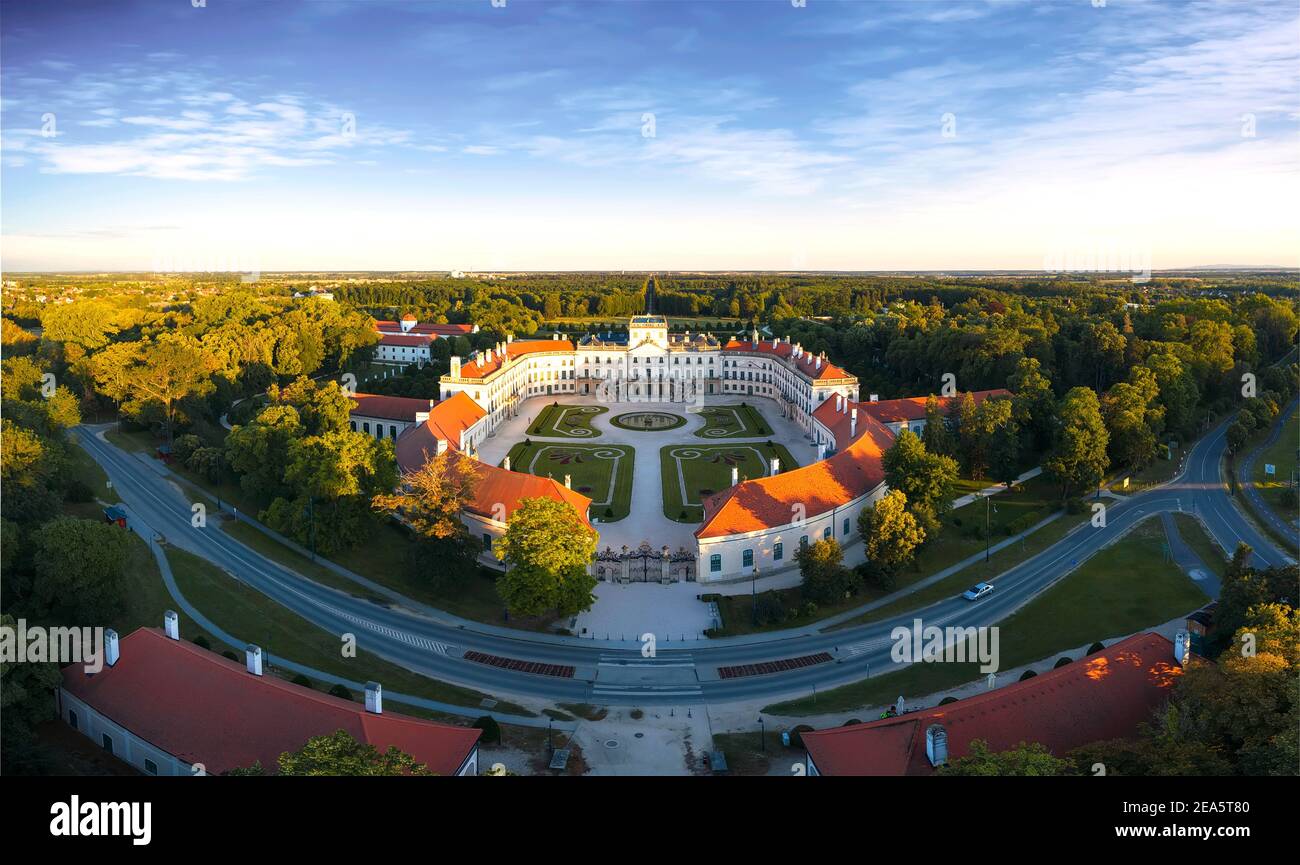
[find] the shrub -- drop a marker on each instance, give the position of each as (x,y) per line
(202,642)
(1060,663)
(1095,648)
(1027,674)
(609,512)
(300,679)
(491,729)
(186,445)
(229,654)
(340,691)
(946,700)
(77,491)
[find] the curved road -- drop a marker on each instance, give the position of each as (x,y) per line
(1248,488)
(616,673)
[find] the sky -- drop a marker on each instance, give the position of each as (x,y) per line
(663,135)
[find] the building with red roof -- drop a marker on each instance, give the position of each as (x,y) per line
(1106,695)
(169,707)
(909,412)
(387,416)
(457,425)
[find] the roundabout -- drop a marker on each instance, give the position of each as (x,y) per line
(648,421)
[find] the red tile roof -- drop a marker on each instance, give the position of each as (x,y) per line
(496,486)
(913,408)
(410,339)
(482,368)
(203,708)
(389,407)
(806,364)
(838,422)
(769,502)
(1101,696)
(500,491)
(446,421)
(425,328)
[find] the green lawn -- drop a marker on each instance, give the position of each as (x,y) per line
(706,469)
(1282,454)
(603,473)
(85,469)
(732,422)
(566,421)
(1157,472)
(1121,590)
(249,615)
(1193,533)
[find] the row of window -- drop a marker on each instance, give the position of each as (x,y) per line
(778,550)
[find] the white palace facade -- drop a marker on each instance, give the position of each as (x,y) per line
(754,524)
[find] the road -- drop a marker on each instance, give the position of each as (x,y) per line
(435,644)
(1247,485)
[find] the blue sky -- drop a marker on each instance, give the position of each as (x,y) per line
(676,134)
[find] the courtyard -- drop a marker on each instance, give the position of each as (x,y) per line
(640,507)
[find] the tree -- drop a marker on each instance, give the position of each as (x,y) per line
(547,548)
(927,479)
(340,754)
(1024,759)
(891,533)
(1078,458)
(825,579)
(431,498)
(430,501)
(1033,407)
(80,567)
(936,435)
(1133,418)
(158,374)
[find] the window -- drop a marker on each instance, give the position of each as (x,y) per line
(487,541)
(778,551)
(366,426)
(107,741)
(747,558)
(150,766)
(715,563)
(826,533)
(803,542)
(72,719)
(845,533)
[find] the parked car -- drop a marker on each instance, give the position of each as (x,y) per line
(977,591)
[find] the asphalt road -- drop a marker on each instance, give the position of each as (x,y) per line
(1248,488)
(611,673)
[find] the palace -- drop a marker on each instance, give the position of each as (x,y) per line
(751,525)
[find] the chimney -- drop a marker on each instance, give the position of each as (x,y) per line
(112,651)
(568,482)
(853,423)
(735,475)
(775,343)
(510,337)
(172,624)
(375,698)
(753,337)
(442,446)
(875,397)
(936,744)
(819,363)
(776,465)
(253,659)
(1182,647)
(506,465)
(455,368)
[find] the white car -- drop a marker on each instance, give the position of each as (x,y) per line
(977,591)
